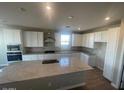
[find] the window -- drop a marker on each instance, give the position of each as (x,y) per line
(65,39)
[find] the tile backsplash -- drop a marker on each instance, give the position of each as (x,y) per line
(39,49)
(42,49)
(83,49)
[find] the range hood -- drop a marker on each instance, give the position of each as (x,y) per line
(49,39)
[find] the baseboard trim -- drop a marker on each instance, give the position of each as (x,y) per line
(73,86)
(115,86)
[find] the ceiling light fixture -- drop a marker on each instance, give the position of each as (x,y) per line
(107,18)
(79,28)
(70,17)
(67,26)
(48,7)
(22,9)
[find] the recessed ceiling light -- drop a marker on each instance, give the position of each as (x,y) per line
(48,7)
(79,28)
(107,18)
(70,17)
(67,26)
(22,9)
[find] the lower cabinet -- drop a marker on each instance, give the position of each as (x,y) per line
(32,57)
(84,58)
(88,59)
(29,57)
(40,57)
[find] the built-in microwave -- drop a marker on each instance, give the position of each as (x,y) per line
(14,47)
(14,53)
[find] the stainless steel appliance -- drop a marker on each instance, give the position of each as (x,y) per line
(14,56)
(14,53)
(13,48)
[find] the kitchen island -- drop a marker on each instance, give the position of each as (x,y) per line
(69,72)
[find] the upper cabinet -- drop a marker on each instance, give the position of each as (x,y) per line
(76,39)
(101,36)
(40,39)
(12,36)
(97,37)
(88,40)
(91,40)
(32,39)
(85,40)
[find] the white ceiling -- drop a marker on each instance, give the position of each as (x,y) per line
(85,15)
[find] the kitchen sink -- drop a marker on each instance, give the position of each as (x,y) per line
(50,61)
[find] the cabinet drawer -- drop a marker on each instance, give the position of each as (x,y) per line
(29,57)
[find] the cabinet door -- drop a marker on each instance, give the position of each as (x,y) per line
(111,50)
(29,57)
(76,40)
(104,36)
(30,39)
(97,37)
(40,39)
(84,58)
(12,36)
(90,40)
(8,35)
(40,57)
(17,36)
(84,40)
(87,40)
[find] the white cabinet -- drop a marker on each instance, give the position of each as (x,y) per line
(29,57)
(40,57)
(101,36)
(12,36)
(33,39)
(105,36)
(88,59)
(83,40)
(40,39)
(88,40)
(97,37)
(111,50)
(30,39)
(91,40)
(76,40)
(84,58)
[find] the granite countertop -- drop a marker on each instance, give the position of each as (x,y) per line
(58,52)
(35,69)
